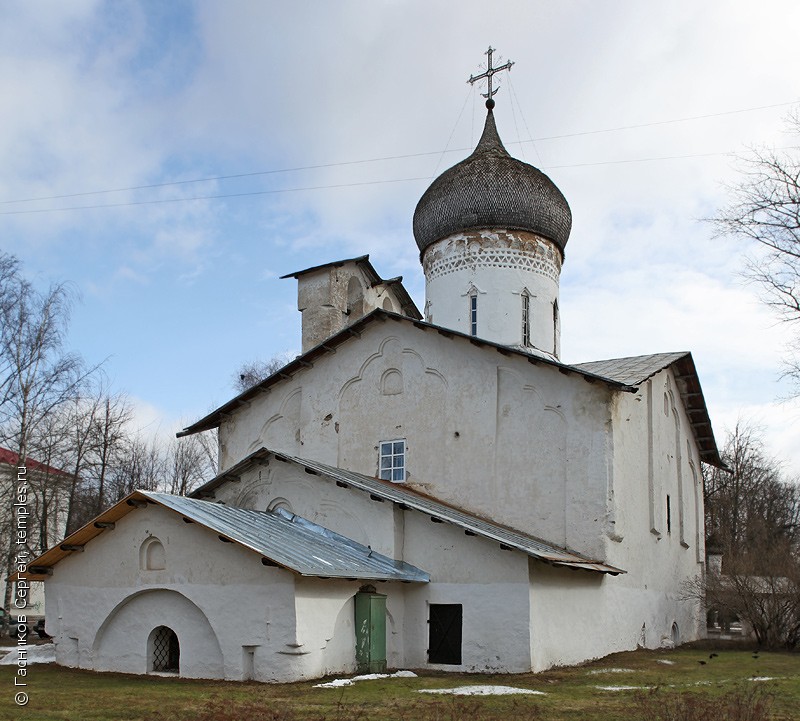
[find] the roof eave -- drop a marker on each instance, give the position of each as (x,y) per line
(213,419)
(580,562)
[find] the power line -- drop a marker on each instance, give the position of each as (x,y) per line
(368,182)
(375,160)
(668,122)
(206,197)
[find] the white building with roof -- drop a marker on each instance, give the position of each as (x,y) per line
(438,493)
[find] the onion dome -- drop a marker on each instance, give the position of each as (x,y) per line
(490,189)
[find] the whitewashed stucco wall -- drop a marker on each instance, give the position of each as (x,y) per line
(221,601)
(490,583)
(653,454)
(521,443)
(497,266)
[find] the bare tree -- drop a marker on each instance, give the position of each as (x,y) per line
(187,465)
(252,373)
(751,507)
(36,373)
(141,466)
(80,419)
(110,437)
(753,519)
(765,208)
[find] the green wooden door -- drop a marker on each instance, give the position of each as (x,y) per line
(370,610)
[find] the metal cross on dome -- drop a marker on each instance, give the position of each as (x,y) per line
(488,75)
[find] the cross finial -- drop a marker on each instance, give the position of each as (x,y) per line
(488,75)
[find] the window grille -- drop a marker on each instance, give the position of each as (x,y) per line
(393,460)
(166,650)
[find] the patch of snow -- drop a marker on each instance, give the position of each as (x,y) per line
(483,691)
(339,682)
(666,662)
(763,678)
(44,653)
(623,688)
(612,670)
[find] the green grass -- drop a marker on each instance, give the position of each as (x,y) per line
(59,694)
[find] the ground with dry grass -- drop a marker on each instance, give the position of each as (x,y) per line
(688,684)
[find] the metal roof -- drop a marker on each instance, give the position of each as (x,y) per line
(407,498)
(491,189)
(635,370)
(282,538)
(11,458)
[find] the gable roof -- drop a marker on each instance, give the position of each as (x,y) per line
(406,302)
(635,370)
(282,539)
(621,374)
(408,499)
(306,360)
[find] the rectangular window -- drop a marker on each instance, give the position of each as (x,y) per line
(473,315)
(444,633)
(393,460)
(526,319)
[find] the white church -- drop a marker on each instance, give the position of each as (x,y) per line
(430,490)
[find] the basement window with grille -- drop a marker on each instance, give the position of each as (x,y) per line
(392,462)
(165,651)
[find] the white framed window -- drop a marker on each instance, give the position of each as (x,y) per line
(526,318)
(473,313)
(392,462)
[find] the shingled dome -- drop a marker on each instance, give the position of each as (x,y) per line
(490,189)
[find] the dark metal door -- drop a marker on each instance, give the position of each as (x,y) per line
(444,633)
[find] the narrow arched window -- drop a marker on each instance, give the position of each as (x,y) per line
(526,318)
(556,331)
(473,313)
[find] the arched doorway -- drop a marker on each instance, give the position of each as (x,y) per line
(163,651)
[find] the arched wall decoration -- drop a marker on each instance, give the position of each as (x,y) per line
(141,612)
(391,382)
(288,413)
(152,556)
(280,502)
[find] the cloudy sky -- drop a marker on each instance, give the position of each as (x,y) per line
(171,160)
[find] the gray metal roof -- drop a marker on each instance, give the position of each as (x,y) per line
(490,189)
(406,498)
(292,541)
(282,538)
(633,370)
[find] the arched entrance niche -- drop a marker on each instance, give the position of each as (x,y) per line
(125,641)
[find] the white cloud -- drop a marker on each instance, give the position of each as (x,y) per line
(126,94)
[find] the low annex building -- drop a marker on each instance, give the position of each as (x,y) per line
(427,490)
